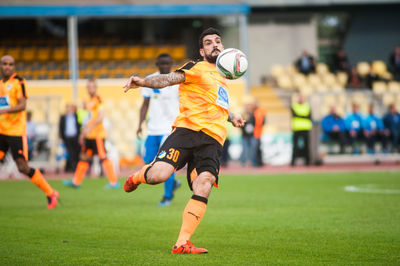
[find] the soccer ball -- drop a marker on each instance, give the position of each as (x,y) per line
(231,63)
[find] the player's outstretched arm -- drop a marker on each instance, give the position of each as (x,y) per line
(236,120)
(155,82)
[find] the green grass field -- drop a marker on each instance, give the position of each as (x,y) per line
(304,219)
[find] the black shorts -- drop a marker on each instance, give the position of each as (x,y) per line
(17,144)
(93,147)
(200,151)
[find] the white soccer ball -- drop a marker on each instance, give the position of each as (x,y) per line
(231,63)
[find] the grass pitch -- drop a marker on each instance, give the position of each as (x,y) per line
(304,219)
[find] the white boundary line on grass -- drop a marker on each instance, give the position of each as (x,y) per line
(371,188)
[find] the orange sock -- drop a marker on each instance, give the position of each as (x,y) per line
(138,177)
(194,211)
(80,172)
(39,181)
(110,172)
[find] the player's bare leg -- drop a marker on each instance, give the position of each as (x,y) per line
(193,213)
(37,178)
(149,174)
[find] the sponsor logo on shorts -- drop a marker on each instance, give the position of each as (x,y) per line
(162,154)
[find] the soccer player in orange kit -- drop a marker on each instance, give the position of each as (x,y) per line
(92,141)
(199,132)
(13,97)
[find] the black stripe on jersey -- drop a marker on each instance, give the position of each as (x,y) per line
(22,82)
(188,65)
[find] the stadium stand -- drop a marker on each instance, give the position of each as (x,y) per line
(99,58)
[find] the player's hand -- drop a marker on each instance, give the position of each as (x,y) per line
(237,120)
(133,83)
(139,133)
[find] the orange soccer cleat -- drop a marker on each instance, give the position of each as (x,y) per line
(188,248)
(129,186)
(53,200)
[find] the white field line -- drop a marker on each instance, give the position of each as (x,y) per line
(371,188)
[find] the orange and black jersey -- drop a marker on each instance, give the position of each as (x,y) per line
(12,124)
(95,106)
(203,100)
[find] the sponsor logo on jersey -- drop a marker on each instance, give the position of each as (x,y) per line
(162,154)
(223,98)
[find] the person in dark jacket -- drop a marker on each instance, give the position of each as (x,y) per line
(69,130)
(333,127)
(306,63)
(392,124)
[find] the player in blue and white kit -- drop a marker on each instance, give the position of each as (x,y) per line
(161,108)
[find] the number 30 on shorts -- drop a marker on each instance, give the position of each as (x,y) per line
(173,155)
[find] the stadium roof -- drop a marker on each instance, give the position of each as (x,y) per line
(304,3)
(118,10)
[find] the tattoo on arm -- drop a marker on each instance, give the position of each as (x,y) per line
(164,80)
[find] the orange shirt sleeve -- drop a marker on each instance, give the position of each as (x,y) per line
(20,89)
(191,76)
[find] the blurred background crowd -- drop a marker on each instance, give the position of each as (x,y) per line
(323,79)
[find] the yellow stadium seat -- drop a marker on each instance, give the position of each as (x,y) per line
(329,79)
(388,99)
(149,52)
(337,88)
(291,69)
(322,68)
(379,87)
(378,68)
(118,52)
(284,82)
(60,53)
(306,90)
(43,54)
(133,52)
(178,52)
(14,52)
(387,75)
(277,70)
(394,86)
(314,80)
(164,49)
(28,54)
(342,78)
(104,53)
(299,80)
(88,53)
(363,68)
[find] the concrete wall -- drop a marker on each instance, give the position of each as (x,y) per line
(278,40)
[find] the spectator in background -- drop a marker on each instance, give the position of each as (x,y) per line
(355,81)
(391,122)
(259,120)
(69,130)
(374,131)
(341,62)
(249,143)
(301,127)
(306,63)
(394,63)
(334,128)
(354,123)
(30,134)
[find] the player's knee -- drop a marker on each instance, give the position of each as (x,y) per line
(158,173)
(22,166)
(85,157)
(206,179)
